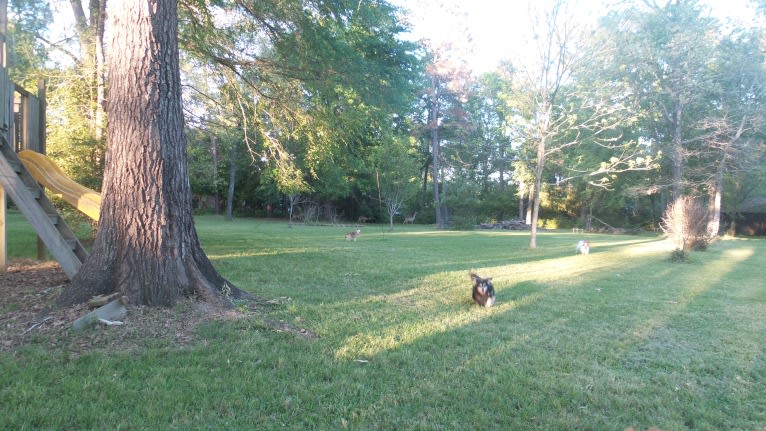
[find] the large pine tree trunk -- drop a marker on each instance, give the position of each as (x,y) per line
(147,246)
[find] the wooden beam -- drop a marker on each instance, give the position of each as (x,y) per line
(3,125)
(42,116)
(3,32)
(3,242)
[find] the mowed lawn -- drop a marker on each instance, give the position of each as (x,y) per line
(620,338)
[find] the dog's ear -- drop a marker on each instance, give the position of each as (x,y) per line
(488,279)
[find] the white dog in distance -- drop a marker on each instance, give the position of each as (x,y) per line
(583,247)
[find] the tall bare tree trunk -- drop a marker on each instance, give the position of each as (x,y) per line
(536,192)
(81,24)
(214,157)
(435,147)
(678,145)
(90,31)
(232,181)
(716,191)
(147,246)
(530,204)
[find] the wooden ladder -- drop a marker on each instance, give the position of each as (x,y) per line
(29,197)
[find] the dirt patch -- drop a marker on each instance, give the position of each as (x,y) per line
(28,290)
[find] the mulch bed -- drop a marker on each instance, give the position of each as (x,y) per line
(28,291)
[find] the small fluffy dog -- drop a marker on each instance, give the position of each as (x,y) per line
(583,247)
(353,235)
(483,291)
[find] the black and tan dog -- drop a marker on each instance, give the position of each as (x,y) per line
(483,291)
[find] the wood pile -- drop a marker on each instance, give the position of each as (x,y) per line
(505,224)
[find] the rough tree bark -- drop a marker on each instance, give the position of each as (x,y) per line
(147,246)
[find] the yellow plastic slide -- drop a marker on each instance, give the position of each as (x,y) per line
(51,176)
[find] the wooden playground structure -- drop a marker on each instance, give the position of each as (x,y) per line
(22,130)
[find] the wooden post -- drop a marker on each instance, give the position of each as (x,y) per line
(42,106)
(36,134)
(3,127)
(3,31)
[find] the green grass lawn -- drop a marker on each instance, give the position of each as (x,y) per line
(619,338)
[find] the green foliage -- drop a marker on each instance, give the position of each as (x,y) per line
(312,93)
(573,341)
(670,65)
(205,174)
(27,20)
(395,176)
(72,145)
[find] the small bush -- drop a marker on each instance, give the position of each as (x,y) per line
(702,244)
(686,220)
(550,223)
(463,222)
(679,256)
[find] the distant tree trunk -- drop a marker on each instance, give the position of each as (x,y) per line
(444,210)
(293,200)
(678,145)
(424,192)
(535,203)
(434,125)
(530,201)
(81,24)
(714,225)
(93,61)
(214,158)
(232,182)
(501,172)
(435,175)
(147,246)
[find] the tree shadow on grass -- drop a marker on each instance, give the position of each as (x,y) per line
(666,353)
(362,268)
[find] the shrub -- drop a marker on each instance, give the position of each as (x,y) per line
(686,220)
(679,256)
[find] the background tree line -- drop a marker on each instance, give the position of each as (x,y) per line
(320,110)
